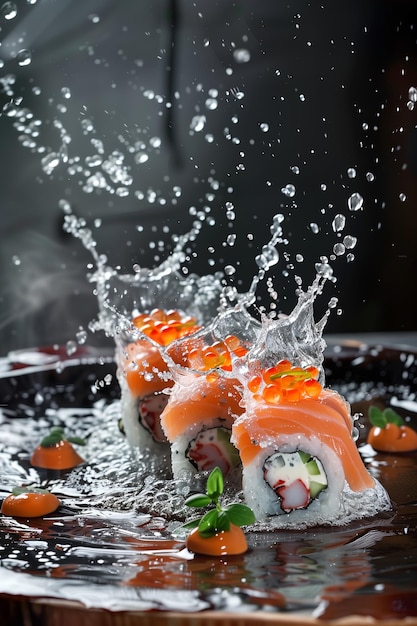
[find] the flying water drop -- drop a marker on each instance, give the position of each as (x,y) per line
(355,202)
(24,57)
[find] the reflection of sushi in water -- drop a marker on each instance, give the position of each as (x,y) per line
(299,458)
(144,376)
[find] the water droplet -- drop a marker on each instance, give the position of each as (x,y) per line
(94,18)
(295,169)
(197,123)
(241,55)
(81,336)
(350,241)
(314,227)
(155,142)
(50,162)
(24,57)
(268,257)
(8,10)
(288,190)
(324,268)
(412,94)
(351,172)
(71,347)
(141,157)
(403,197)
(264,127)
(231,239)
(339,249)
(229,270)
(94,160)
(339,222)
(16,260)
(355,202)
(370,177)
(66,92)
(211,104)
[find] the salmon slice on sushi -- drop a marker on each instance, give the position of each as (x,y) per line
(197,422)
(144,375)
(301,465)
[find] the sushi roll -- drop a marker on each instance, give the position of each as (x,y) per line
(206,397)
(301,465)
(197,422)
(144,375)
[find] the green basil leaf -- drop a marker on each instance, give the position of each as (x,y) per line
(215,484)
(17,491)
(51,440)
(198,499)
(77,440)
(223,521)
(57,429)
(392,417)
(240,514)
(377,417)
(208,524)
(190,525)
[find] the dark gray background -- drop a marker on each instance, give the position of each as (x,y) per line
(352,63)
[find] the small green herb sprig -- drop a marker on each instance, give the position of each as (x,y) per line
(56,435)
(218,518)
(382,417)
(18,491)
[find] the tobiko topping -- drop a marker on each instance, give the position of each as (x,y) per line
(216,355)
(285,382)
(164,327)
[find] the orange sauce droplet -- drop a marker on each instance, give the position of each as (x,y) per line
(225,542)
(29,504)
(393,438)
(60,456)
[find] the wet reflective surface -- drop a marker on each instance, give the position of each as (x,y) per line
(111,542)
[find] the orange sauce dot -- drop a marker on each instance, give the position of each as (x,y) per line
(60,456)
(29,504)
(225,542)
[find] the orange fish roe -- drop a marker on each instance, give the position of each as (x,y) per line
(285,382)
(164,327)
(216,355)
